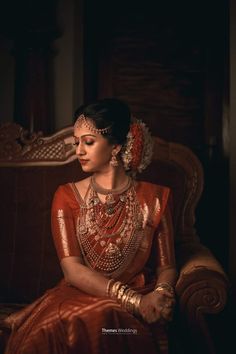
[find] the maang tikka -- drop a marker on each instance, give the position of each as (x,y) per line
(82,120)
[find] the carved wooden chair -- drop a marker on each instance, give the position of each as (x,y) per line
(31,168)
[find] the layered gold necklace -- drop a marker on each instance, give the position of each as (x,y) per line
(110,233)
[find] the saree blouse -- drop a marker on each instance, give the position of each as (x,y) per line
(156,243)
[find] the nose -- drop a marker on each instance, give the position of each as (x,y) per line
(80,150)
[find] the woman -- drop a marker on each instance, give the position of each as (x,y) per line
(114,239)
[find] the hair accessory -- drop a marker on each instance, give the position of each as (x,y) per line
(138,150)
(88,123)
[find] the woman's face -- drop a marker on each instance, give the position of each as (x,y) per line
(93,150)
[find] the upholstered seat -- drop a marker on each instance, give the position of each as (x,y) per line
(31,168)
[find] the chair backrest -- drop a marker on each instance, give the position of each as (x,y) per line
(31,168)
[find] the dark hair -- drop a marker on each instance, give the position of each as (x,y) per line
(108,112)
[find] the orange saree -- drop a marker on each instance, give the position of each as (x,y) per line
(66,320)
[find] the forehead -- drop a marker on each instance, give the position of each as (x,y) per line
(82,131)
(84,126)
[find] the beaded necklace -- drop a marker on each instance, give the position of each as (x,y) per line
(110,233)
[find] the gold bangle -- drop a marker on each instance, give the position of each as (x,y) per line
(108,286)
(137,303)
(127,297)
(121,292)
(114,289)
(164,286)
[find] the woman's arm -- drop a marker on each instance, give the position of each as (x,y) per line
(84,278)
(159,304)
(63,227)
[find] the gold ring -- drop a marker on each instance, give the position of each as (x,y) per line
(168,306)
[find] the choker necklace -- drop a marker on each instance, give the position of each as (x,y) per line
(100,190)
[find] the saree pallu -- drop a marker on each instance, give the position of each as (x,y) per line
(66,320)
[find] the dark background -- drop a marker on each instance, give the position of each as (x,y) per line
(168,59)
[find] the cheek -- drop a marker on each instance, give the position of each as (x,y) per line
(103,153)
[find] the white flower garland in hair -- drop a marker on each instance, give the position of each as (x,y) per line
(138,150)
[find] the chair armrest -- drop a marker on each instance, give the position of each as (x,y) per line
(201,289)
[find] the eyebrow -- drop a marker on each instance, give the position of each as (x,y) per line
(83,136)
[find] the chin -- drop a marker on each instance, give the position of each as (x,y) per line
(87,169)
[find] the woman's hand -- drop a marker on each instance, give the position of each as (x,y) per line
(157,306)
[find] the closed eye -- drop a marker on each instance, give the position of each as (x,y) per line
(76,143)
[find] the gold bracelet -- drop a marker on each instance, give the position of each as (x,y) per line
(137,303)
(114,289)
(121,292)
(127,297)
(108,286)
(164,286)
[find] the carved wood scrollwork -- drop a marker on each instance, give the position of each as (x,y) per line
(19,147)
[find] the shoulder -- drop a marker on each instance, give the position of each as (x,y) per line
(63,195)
(62,189)
(80,185)
(71,192)
(154,195)
(152,189)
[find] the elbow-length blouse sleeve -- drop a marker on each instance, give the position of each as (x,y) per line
(165,239)
(63,224)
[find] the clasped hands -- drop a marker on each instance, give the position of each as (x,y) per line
(157,306)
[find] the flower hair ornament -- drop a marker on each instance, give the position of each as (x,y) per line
(138,151)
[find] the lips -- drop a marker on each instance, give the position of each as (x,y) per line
(83,162)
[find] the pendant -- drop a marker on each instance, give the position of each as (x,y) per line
(110,199)
(82,229)
(119,241)
(110,210)
(113,250)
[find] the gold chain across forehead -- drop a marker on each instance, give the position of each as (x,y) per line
(82,120)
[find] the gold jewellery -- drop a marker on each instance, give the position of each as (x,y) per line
(110,233)
(164,286)
(82,120)
(128,298)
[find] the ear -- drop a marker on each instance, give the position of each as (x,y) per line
(117,148)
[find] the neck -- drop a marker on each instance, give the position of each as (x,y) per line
(111,179)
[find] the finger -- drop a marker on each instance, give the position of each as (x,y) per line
(169,304)
(166,309)
(167,314)
(168,294)
(165,294)
(150,318)
(154,315)
(163,289)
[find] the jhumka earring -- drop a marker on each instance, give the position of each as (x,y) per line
(113,161)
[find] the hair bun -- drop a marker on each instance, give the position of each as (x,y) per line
(138,151)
